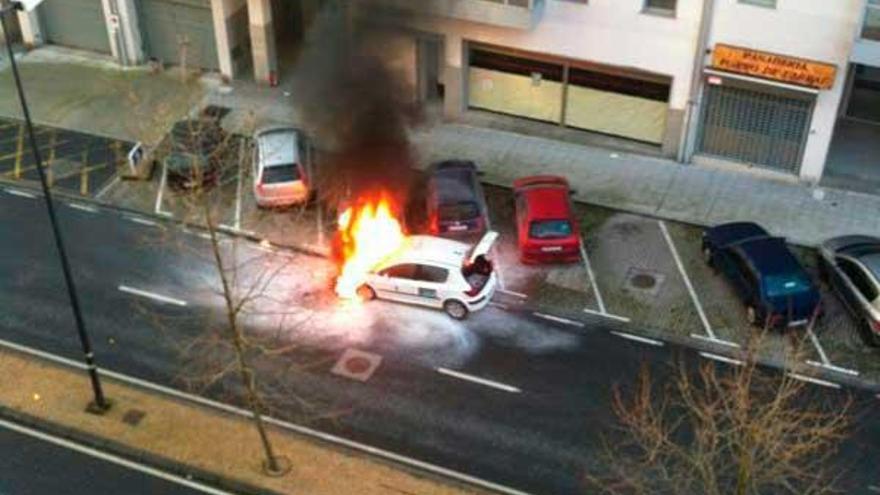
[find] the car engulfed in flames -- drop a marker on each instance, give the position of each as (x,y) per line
(368,232)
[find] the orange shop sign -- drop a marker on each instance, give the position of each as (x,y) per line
(782,68)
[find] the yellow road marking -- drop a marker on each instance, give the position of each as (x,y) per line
(84,173)
(13,155)
(19,150)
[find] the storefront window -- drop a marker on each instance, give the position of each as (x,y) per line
(871,27)
(660,6)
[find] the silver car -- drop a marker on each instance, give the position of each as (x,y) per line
(851,265)
(282,167)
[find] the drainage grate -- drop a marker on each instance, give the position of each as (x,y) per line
(643,281)
(133,417)
(357,365)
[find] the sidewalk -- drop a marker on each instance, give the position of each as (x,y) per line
(194,439)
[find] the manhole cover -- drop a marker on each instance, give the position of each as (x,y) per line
(357,365)
(643,281)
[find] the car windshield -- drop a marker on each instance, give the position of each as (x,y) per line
(784,285)
(464,210)
(550,229)
(288,172)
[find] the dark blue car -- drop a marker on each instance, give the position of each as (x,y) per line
(766,275)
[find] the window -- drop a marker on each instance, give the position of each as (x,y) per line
(433,274)
(660,6)
(761,3)
(871,27)
(858,278)
(550,229)
(400,271)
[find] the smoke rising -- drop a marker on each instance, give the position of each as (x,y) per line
(357,106)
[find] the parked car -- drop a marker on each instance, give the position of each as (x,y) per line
(851,265)
(766,275)
(191,153)
(438,273)
(456,204)
(546,229)
(282,164)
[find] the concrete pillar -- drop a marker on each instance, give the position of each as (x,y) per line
(123,27)
(31,32)
(454,77)
(262,40)
(224,14)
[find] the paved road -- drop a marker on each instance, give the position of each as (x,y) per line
(35,466)
(534,436)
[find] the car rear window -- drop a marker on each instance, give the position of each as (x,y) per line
(465,210)
(281,173)
(783,285)
(550,229)
(477,273)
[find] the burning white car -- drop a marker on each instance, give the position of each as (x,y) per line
(435,272)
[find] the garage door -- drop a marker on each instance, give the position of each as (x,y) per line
(75,23)
(755,126)
(175,30)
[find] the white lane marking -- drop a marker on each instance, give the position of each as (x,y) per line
(481,381)
(82,207)
(107,188)
(819,349)
(873,488)
(152,295)
(142,221)
(20,193)
(624,319)
(810,379)
(637,338)
(839,369)
(687,280)
(195,399)
(559,319)
(715,340)
(513,293)
(592,278)
(723,359)
(104,456)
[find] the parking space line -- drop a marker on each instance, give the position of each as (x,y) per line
(815,381)
(723,359)
(82,207)
(23,194)
(819,349)
(481,381)
(638,338)
(513,293)
(873,488)
(499,305)
(623,319)
(19,151)
(142,221)
(152,295)
(107,187)
(592,278)
(839,369)
(158,207)
(559,319)
(714,340)
(687,280)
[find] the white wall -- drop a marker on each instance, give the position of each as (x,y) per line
(613,32)
(821,30)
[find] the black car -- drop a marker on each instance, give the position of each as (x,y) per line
(766,275)
(456,205)
(192,153)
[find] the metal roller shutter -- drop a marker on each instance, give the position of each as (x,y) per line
(75,23)
(172,28)
(756,127)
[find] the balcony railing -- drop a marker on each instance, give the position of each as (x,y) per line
(871,26)
(520,14)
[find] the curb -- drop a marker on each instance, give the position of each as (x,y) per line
(134,454)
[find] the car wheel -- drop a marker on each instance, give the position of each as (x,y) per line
(752,316)
(366,293)
(455,309)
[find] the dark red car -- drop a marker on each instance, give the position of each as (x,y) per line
(546,229)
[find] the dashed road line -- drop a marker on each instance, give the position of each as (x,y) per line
(559,319)
(481,381)
(152,295)
(638,338)
(687,280)
(20,193)
(142,221)
(815,381)
(82,207)
(592,278)
(723,359)
(623,319)
(113,459)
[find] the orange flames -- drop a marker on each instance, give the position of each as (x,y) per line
(368,233)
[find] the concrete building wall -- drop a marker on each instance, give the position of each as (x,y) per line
(819,30)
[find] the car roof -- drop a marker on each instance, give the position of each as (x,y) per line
(430,249)
(454,184)
(277,146)
(730,233)
(547,201)
(771,256)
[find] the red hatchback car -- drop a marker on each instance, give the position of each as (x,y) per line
(546,230)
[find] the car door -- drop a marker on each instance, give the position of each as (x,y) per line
(741,276)
(397,282)
(431,284)
(856,289)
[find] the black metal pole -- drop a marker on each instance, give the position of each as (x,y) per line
(100,404)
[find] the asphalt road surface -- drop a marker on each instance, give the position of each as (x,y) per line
(528,411)
(35,466)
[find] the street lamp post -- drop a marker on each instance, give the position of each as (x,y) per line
(100,404)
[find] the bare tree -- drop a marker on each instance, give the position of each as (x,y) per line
(711,430)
